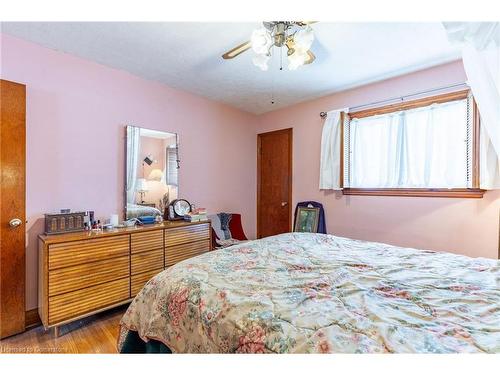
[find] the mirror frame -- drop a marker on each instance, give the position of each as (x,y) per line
(125,216)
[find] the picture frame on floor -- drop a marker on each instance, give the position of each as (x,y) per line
(307,220)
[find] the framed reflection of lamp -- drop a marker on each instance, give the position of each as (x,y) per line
(142,188)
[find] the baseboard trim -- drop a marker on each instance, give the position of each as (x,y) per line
(32,319)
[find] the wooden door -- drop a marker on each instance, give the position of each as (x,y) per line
(274,183)
(12,208)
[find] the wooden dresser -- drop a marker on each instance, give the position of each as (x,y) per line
(80,274)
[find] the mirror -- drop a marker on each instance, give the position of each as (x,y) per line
(152,172)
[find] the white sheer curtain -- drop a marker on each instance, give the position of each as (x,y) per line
(329,173)
(489,168)
(376,151)
(480,43)
(420,148)
(133,146)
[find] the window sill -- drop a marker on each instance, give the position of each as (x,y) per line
(440,193)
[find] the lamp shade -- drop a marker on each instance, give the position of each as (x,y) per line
(142,185)
(155,175)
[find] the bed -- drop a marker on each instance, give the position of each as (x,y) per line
(315,293)
(137,210)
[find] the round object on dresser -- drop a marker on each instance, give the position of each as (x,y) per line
(181,207)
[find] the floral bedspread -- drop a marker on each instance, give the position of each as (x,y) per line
(315,293)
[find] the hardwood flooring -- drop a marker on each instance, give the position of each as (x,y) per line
(95,334)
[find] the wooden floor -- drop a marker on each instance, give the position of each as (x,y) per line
(96,334)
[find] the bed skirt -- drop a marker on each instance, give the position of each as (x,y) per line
(133,344)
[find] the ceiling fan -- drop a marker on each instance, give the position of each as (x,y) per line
(296,36)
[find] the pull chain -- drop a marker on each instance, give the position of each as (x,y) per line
(272,78)
(281,57)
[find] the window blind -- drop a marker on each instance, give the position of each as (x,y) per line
(172,175)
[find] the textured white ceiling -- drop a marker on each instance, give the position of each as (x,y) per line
(188,56)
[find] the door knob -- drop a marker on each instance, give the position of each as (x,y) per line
(15,223)
(283,204)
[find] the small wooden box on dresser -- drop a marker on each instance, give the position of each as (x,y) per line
(80,274)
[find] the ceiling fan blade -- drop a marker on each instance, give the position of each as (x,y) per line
(231,54)
(311,57)
(304,23)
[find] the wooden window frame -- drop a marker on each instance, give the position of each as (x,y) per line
(474,192)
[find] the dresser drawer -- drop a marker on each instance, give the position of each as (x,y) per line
(147,261)
(66,306)
(77,252)
(140,279)
(178,253)
(191,233)
(146,241)
(72,278)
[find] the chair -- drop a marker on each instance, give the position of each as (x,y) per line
(235,231)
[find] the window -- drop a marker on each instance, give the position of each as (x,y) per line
(426,147)
(172,174)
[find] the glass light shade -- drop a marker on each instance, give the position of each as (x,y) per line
(155,175)
(261,61)
(303,39)
(261,41)
(142,185)
(296,59)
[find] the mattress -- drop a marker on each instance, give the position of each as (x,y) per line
(315,293)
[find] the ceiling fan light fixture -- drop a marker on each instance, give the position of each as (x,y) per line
(261,41)
(304,38)
(261,61)
(296,36)
(296,59)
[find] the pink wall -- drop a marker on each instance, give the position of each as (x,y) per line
(465,226)
(76,113)
(77,110)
